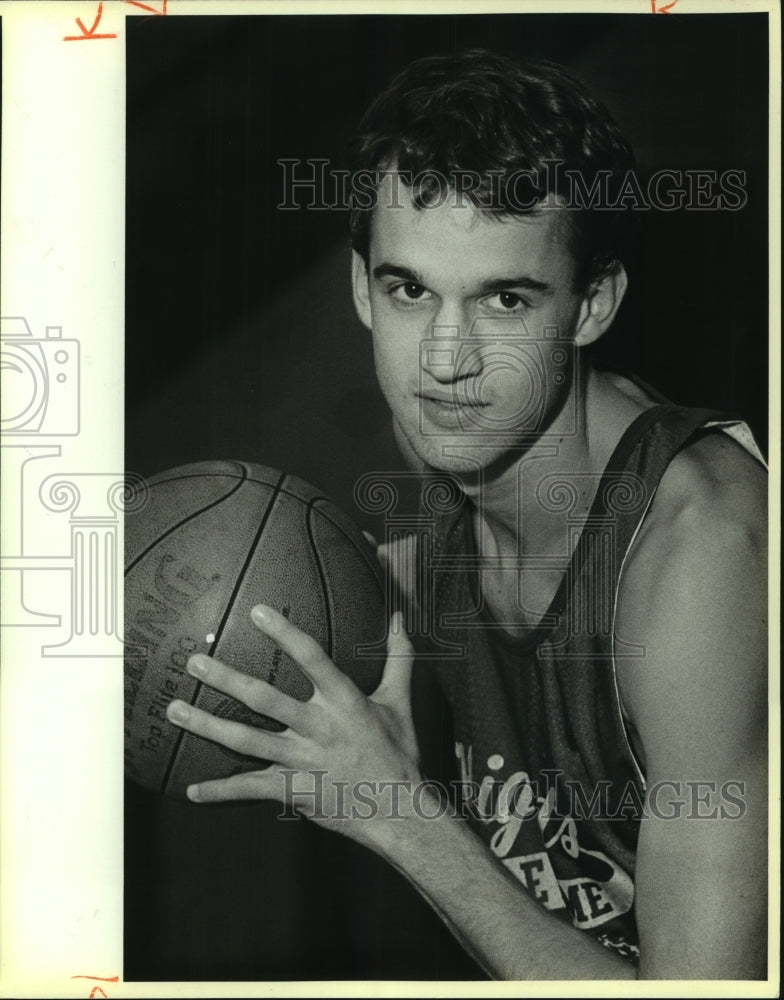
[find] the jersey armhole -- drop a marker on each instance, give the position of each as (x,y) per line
(623,715)
(739,431)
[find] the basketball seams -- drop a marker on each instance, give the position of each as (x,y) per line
(214,503)
(244,477)
(283,493)
(371,563)
(322,578)
(247,475)
(175,527)
(354,540)
(226,614)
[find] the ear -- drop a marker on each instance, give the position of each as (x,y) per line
(359,285)
(600,305)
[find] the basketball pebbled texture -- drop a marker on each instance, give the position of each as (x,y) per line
(213,540)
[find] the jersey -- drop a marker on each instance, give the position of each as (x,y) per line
(549,777)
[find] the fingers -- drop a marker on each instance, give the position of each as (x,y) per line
(396,680)
(257,694)
(247,740)
(283,785)
(304,650)
(266,784)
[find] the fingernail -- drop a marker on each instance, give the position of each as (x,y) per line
(178,711)
(197,667)
(192,791)
(262,613)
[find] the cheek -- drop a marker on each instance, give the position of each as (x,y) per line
(566,317)
(521,386)
(392,369)
(396,345)
(513,381)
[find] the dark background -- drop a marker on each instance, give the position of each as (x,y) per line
(241,342)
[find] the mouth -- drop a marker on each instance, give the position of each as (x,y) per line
(449,412)
(451,401)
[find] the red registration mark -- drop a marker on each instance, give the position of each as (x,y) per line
(91,34)
(98,991)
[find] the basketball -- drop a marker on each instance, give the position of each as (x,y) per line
(210,541)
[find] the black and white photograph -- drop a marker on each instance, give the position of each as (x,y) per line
(495,287)
(449,395)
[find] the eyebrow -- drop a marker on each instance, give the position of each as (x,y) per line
(523,281)
(389,270)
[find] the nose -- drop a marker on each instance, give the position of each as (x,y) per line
(447,356)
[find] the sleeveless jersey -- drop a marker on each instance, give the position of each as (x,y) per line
(549,777)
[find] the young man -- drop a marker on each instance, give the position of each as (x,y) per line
(599,577)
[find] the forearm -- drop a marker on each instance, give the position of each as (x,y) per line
(342,734)
(499,924)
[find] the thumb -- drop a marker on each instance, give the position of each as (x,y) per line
(399,558)
(395,683)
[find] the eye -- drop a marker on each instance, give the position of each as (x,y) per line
(506,302)
(409,292)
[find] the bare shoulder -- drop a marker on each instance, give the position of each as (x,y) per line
(694,594)
(711,503)
(716,468)
(709,514)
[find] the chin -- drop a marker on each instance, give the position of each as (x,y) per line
(464,455)
(485,464)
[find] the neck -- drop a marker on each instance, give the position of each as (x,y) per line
(510,515)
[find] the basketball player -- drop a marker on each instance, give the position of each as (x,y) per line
(607,573)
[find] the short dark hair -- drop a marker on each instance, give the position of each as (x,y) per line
(494,116)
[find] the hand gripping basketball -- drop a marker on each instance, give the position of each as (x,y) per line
(352,738)
(212,540)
